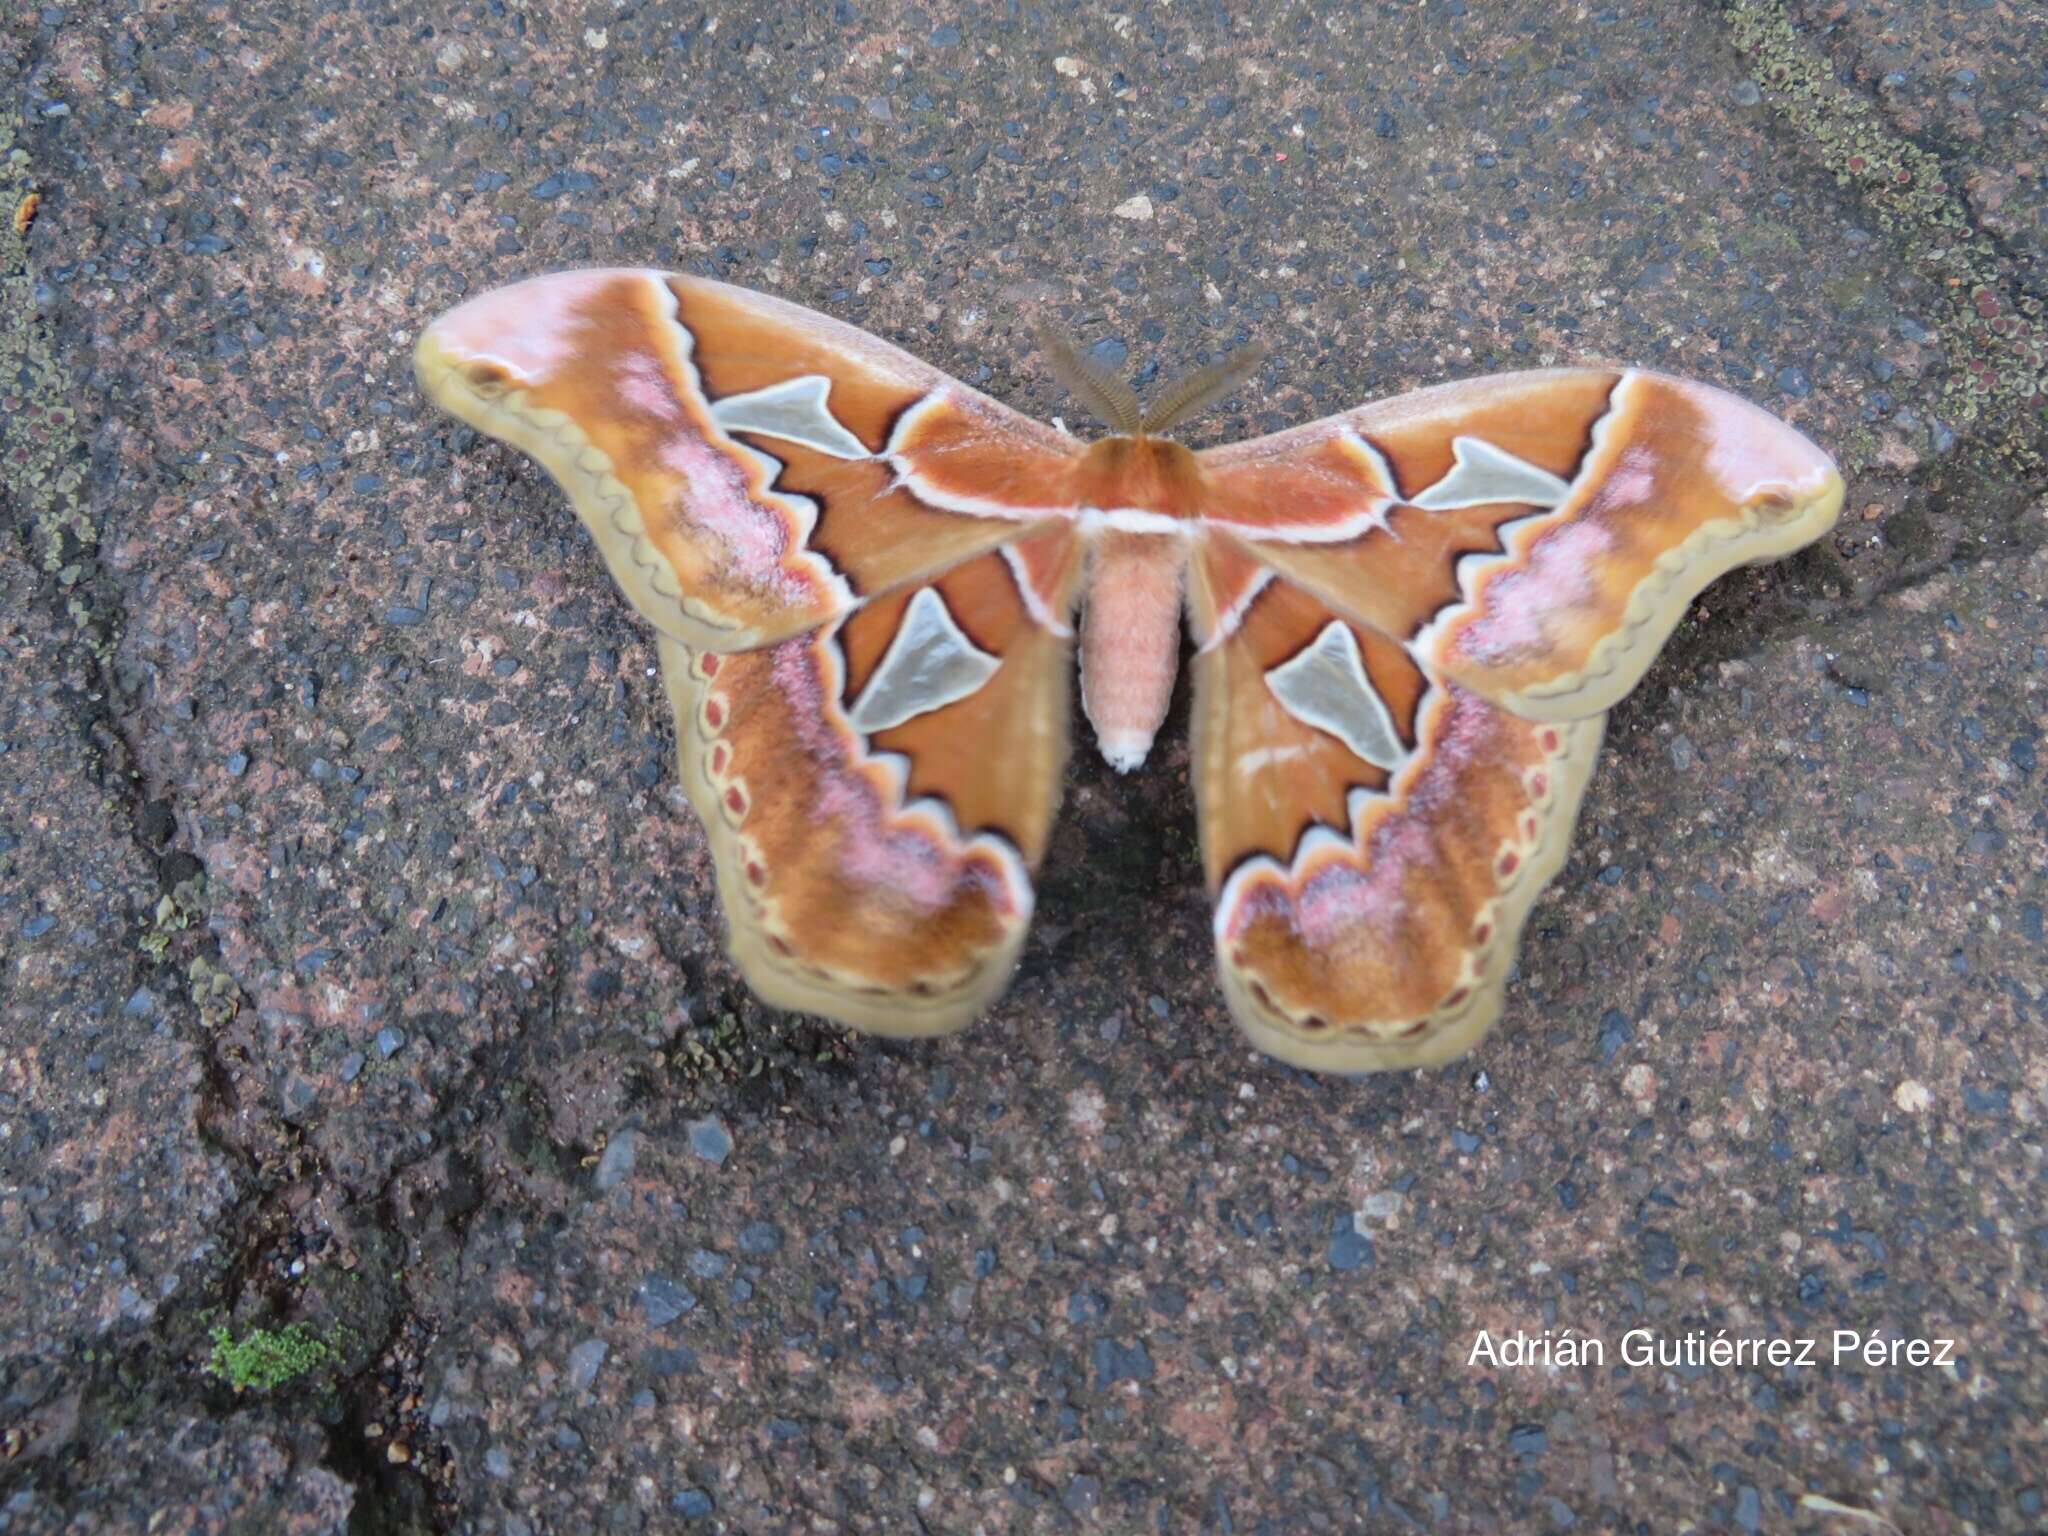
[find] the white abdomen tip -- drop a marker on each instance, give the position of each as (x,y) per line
(1124,750)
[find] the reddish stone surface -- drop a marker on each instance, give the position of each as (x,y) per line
(447,1063)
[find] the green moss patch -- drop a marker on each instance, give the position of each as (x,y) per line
(266,1359)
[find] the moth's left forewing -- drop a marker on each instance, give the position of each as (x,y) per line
(1681,484)
(1534,536)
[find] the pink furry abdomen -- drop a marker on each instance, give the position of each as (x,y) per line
(1130,641)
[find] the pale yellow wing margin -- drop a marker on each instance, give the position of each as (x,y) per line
(878,794)
(750,470)
(1532,536)
(1374,835)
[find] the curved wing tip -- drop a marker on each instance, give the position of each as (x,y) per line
(429,359)
(443,380)
(1750,437)
(1824,509)
(522,323)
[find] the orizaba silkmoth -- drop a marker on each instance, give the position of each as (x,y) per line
(867,580)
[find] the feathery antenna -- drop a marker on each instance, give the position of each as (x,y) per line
(1202,389)
(1105,397)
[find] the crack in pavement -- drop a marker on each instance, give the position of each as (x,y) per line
(46,443)
(1994,331)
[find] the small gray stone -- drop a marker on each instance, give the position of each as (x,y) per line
(1349,1248)
(1658,1252)
(585,1360)
(352,1066)
(620,1154)
(710,1140)
(760,1238)
(297,1095)
(1614,1033)
(1110,352)
(1115,1361)
(497,1463)
(390,1040)
(692,1504)
(663,1301)
(1749,1508)
(1082,1495)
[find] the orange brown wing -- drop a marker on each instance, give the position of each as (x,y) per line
(863,577)
(874,854)
(1374,834)
(749,469)
(1533,537)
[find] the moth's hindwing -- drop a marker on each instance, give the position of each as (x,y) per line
(1374,834)
(878,794)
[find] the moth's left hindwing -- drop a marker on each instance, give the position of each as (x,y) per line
(863,608)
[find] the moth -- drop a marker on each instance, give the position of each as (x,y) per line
(867,579)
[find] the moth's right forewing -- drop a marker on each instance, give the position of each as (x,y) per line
(750,470)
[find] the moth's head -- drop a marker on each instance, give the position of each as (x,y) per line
(1115,404)
(1142,472)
